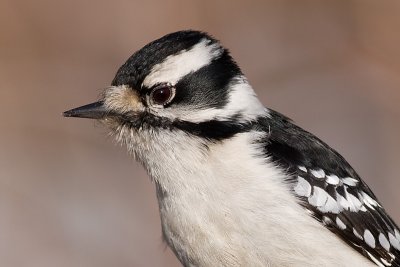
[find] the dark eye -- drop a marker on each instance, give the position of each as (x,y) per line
(162,94)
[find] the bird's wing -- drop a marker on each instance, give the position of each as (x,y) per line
(329,187)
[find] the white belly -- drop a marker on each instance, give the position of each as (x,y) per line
(222,212)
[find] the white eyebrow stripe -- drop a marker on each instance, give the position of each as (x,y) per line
(174,67)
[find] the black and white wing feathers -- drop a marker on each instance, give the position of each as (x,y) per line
(329,187)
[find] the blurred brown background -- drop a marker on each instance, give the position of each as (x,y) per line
(70,197)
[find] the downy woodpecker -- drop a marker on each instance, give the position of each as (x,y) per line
(237,184)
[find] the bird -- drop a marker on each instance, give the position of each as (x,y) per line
(237,183)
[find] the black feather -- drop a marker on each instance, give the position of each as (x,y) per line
(289,147)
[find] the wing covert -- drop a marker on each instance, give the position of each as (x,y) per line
(328,186)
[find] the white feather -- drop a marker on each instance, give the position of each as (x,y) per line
(318,198)
(393,241)
(174,67)
(340,223)
(369,238)
(303,188)
(384,242)
(302,168)
(377,262)
(332,179)
(318,173)
(350,181)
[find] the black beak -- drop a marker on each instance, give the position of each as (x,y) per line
(94,110)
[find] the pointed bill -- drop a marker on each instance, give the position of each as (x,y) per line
(94,110)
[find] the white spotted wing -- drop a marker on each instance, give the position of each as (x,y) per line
(329,187)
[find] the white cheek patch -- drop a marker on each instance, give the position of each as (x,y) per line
(241,101)
(174,67)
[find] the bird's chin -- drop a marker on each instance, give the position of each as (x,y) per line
(119,126)
(110,122)
(125,132)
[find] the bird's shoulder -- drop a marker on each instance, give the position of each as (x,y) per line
(330,189)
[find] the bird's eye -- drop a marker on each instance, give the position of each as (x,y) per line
(162,94)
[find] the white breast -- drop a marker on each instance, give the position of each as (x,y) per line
(226,205)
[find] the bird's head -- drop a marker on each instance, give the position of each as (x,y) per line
(184,83)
